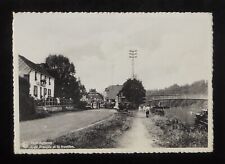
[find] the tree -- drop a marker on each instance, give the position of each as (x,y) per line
(134,91)
(66,84)
(26,102)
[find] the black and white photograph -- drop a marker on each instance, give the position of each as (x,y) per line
(112,82)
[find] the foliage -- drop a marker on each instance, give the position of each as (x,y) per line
(82,105)
(134,91)
(176,134)
(66,84)
(26,102)
(198,87)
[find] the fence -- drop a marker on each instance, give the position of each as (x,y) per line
(53,105)
(53,102)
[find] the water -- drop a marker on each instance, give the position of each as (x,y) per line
(185,114)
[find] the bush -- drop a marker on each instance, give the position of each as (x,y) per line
(177,134)
(82,105)
(26,102)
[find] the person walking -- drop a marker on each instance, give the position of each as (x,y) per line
(147,111)
(140,108)
(144,108)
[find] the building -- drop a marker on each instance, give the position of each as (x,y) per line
(111,95)
(41,83)
(94,99)
(111,92)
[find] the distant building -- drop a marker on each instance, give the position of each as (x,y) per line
(111,95)
(41,83)
(111,92)
(94,99)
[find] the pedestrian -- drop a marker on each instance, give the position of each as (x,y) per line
(92,105)
(140,108)
(57,100)
(147,111)
(144,108)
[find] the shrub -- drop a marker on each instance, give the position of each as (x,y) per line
(82,105)
(177,134)
(26,102)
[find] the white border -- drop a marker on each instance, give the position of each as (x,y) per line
(18,150)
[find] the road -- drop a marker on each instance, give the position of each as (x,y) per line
(60,124)
(138,137)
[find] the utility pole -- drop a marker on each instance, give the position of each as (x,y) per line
(132,55)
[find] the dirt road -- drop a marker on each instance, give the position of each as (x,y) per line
(138,136)
(60,124)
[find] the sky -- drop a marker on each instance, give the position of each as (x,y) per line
(171,47)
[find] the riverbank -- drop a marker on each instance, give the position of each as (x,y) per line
(172,133)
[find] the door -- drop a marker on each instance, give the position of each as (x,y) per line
(40,92)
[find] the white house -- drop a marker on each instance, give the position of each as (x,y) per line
(41,83)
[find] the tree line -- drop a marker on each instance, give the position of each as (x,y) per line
(196,88)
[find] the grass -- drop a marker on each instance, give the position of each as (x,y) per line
(102,135)
(174,133)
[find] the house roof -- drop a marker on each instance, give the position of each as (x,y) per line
(113,90)
(93,95)
(34,66)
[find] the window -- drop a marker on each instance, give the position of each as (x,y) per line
(49,92)
(49,81)
(40,77)
(35,91)
(45,91)
(35,74)
(40,92)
